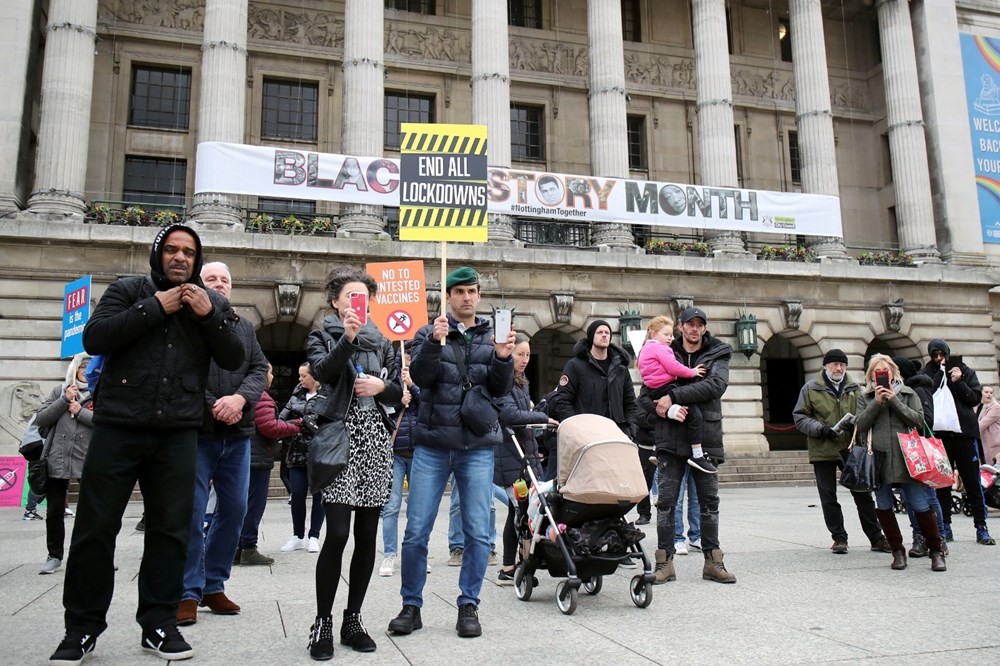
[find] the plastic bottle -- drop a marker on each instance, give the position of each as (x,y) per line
(520,490)
(366,402)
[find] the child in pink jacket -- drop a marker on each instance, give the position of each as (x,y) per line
(660,368)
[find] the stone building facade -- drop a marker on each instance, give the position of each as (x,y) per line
(106,101)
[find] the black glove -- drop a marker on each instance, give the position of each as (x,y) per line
(829,433)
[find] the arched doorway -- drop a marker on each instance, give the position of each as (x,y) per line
(550,350)
(284,346)
(781,376)
(892,344)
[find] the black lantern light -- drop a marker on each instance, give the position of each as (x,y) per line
(628,320)
(746,334)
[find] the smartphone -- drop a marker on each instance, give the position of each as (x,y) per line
(953,362)
(501,325)
(359,303)
(882,378)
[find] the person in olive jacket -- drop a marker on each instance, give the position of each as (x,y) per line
(822,403)
(68,414)
(158,334)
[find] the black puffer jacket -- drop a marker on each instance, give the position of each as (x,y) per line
(248,381)
(967,391)
(156,365)
(403,444)
(298,408)
(433,369)
(672,436)
(585,389)
(923,386)
(516,411)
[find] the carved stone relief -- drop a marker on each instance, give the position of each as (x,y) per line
(298,26)
(893,314)
(552,57)
(793,313)
(18,403)
(176,14)
(562,306)
(429,42)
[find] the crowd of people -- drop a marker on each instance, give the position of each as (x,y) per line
(181,406)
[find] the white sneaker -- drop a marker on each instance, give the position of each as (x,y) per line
(428,566)
(69,512)
(313,545)
(388,566)
(293,543)
(680,548)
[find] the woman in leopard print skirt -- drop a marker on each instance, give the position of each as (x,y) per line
(358,365)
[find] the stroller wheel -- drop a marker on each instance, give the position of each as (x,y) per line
(566,597)
(523,582)
(641,591)
(593,586)
(957,505)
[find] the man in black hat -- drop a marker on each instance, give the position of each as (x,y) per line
(696,346)
(961,382)
(597,381)
(158,334)
(444,445)
(823,402)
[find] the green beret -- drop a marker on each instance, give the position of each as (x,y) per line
(463,275)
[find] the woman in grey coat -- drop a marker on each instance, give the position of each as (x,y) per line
(67,414)
(883,413)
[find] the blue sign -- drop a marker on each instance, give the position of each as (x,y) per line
(76,312)
(981,63)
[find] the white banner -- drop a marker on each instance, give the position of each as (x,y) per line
(297,174)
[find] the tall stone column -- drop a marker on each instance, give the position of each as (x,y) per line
(949,145)
(491,93)
(716,141)
(911,175)
(813,113)
(64,125)
(223,99)
(17,81)
(608,125)
(364,105)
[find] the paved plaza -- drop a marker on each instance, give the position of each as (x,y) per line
(794,602)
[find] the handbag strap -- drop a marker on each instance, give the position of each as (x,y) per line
(392,440)
(460,362)
(854,438)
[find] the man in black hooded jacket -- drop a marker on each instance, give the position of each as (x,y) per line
(966,392)
(158,334)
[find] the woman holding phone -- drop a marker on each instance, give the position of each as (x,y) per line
(887,407)
(357,363)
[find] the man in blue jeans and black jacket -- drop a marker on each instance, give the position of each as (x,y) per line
(443,445)
(158,334)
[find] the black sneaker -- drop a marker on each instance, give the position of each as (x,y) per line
(141,525)
(74,648)
(407,621)
(702,465)
(505,577)
(166,642)
(31,515)
(468,621)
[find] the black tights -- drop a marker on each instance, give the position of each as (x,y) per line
(328,566)
(509,538)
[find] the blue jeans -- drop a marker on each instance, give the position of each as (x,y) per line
(455,539)
(260,482)
(913,494)
(933,503)
(225,461)
(390,512)
(473,471)
(299,478)
(694,509)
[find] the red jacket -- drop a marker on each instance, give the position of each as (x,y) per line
(268,430)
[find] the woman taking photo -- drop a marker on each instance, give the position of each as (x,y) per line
(886,408)
(354,361)
(67,414)
(300,410)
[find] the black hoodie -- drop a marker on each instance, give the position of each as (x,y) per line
(156,364)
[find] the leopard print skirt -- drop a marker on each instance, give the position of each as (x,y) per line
(367,479)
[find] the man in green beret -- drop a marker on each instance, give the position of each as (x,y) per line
(444,445)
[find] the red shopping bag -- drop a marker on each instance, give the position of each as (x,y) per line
(926,459)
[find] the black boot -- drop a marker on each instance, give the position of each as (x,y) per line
(887,519)
(354,634)
(321,639)
(928,525)
(919,546)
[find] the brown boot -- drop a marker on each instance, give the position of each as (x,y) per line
(664,570)
(715,569)
(187,612)
(887,519)
(220,604)
(928,525)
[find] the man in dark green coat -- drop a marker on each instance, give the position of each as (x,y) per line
(822,403)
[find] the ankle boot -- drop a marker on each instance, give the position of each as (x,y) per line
(664,570)
(928,525)
(715,569)
(887,519)
(354,635)
(321,639)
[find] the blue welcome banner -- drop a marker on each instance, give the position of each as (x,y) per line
(981,64)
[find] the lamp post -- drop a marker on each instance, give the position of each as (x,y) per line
(628,320)
(746,334)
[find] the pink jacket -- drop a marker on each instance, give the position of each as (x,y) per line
(989,431)
(658,365)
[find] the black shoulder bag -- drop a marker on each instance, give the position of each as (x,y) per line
(480,412)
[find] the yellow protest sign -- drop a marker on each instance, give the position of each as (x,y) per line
(399,307)
(442,174)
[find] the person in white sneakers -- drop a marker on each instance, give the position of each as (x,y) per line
(300,407)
